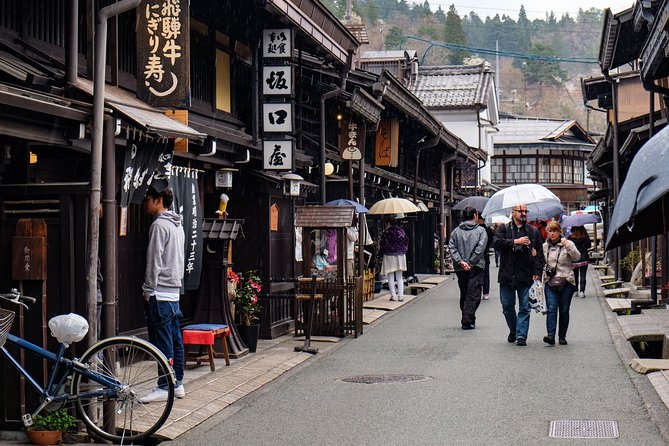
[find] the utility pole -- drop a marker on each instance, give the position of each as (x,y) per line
(349,11)
(497,70)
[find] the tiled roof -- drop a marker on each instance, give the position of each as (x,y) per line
(324,216)
(359,31)
(521,129)
(368,56)
(453,86)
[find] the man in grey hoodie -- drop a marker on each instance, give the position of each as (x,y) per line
(162,284)
(468,246)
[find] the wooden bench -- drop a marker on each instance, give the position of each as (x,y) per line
(416,288)
(605,279)
(612,284)
(617,292)
(602,269)
(203,336)
(620,306)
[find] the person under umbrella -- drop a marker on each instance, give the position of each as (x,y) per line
(393,245)
(582,241)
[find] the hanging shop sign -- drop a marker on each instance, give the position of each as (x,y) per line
(277,117)
(277,80)
(163,52)
(351,139)
(187,204)
(143,160)
(387,143)
(277,43)
(278,154)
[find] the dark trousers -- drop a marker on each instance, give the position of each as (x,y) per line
(162,323)
(470,283)
(579,275)
(486,276)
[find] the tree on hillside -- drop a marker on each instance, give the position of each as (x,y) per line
(395,38)
(372,12)
(475,30)
(455,34)
(542,72)
(523,41)
(440,15)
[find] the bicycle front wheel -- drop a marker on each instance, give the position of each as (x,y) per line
(138,367)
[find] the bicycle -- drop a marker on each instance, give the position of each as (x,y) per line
(105,384)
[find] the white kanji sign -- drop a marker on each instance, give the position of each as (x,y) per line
(277,80)
(277,43)
(278,117)
(278,155)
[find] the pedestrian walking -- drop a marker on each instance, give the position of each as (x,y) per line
(582,241)
(393,245)
(560,253)
(162,284)
(521,263)
(495,227)
(351,237)
(468,243)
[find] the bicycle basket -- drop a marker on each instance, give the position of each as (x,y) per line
(6,319)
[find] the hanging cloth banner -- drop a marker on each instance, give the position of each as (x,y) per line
(144,159)
(187,204)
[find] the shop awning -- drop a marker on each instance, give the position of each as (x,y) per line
(150,119)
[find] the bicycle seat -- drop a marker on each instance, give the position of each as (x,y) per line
(68,328)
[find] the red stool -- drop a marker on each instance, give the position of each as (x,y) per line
(204,335)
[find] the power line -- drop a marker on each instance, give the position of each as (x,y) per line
(524,56)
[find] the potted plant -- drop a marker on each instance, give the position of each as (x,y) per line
(247,309)
(233,283)
(49,428)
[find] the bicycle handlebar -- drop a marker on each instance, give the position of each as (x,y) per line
(15,297)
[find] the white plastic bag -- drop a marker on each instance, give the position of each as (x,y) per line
(68,328)
(537,297)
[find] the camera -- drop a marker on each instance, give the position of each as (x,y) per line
(550,271)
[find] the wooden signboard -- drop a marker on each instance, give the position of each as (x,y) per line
(387,143)
(29,250)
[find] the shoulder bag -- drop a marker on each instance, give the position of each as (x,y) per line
(556,282)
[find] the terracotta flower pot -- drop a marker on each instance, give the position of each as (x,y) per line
(44,437)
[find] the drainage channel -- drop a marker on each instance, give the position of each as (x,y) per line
(384,379)
(583,429)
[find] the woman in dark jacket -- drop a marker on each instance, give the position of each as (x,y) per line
(394,243)
(582,241)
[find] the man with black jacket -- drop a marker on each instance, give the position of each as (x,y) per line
(522,262)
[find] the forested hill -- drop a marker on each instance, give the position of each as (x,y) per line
(531,82)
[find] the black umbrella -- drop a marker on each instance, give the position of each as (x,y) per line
(476,202)
(642,207)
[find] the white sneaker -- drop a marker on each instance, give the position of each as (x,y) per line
(581,294)
(179,391)
(486,297)
(156,395)
(401,299)
(392,299)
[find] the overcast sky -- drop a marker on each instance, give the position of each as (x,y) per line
(534,8)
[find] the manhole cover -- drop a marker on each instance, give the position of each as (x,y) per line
(584,429)
(384,379)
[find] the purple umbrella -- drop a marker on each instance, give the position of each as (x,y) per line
(580,219)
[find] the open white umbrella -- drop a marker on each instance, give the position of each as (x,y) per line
(393,205)
(537,198)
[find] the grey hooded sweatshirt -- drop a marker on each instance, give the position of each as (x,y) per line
(165,257)
(468,243)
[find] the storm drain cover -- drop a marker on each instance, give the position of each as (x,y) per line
(583,429)
(384,379)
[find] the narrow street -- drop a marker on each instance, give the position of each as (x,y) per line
(479,388)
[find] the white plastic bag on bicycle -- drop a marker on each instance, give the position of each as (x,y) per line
(68,328)
(537,297)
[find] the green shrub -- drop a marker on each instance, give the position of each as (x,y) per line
(59,420)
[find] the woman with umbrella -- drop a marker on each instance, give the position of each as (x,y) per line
(582,241)
(394,244)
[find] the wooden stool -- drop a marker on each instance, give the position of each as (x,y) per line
(204,335)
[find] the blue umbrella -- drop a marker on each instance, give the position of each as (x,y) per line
(360,209)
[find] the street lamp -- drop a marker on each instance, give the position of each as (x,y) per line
(291,184)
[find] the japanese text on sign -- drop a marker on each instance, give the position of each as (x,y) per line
(278,117)
(277,43)
(277,80)
(278,155)
(163,52)
(351,141)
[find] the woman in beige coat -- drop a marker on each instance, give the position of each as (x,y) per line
(560,284)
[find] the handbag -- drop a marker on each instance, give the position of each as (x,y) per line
(557,282)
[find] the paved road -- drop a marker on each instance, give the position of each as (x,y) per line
(482,390)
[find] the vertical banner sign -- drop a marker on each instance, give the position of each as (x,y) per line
(143,160)
(277,155)
(277,80)
(277,117)
(277,43)
(163,52)
(187,204)
(387,143)
(351,139)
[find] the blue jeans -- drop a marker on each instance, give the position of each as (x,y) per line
(162,323)
(558,301)
(519,324)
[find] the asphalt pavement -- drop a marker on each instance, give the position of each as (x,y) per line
(475,388)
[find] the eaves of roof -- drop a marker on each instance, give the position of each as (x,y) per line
(453,87)
(620,44)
